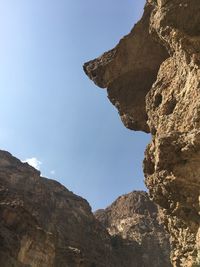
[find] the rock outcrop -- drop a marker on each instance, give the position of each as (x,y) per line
(44,224)
(133,217)
(153,78)
(128,84)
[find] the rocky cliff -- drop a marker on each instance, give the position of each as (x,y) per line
(153,78)
(133,217)
(44,224)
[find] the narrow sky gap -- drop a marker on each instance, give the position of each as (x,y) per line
(51,111)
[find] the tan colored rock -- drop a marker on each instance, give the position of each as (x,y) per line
(134,217)
(172,160)
(127,83)
(44,224)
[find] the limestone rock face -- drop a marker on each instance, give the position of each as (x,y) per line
(134,217)
(168,107)
(44,224)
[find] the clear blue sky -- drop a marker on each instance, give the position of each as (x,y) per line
(51,111)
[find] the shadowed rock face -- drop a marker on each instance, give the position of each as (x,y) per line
(167,106)
(44,224)
(127,83)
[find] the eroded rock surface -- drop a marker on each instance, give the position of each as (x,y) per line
(165,101)
(44,224)
(134,217)
(128,84)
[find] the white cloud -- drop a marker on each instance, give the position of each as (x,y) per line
(34,162)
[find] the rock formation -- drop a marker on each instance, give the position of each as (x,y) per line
(133,217)
(153,79)
(44,224)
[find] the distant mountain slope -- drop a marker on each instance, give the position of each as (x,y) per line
(134,217)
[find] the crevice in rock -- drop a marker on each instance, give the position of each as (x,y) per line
(158,100)
(169,106)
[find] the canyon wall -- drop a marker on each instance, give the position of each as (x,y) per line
(44,224)
(133,217)
(153,78)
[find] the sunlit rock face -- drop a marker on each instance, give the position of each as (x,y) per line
(135,218)
(164,50)
(44,224)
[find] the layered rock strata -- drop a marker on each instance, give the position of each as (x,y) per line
(44,224)
(153,78)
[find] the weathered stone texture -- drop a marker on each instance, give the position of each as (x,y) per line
(128,84)
(44,224)
(171,104)
(134,217)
